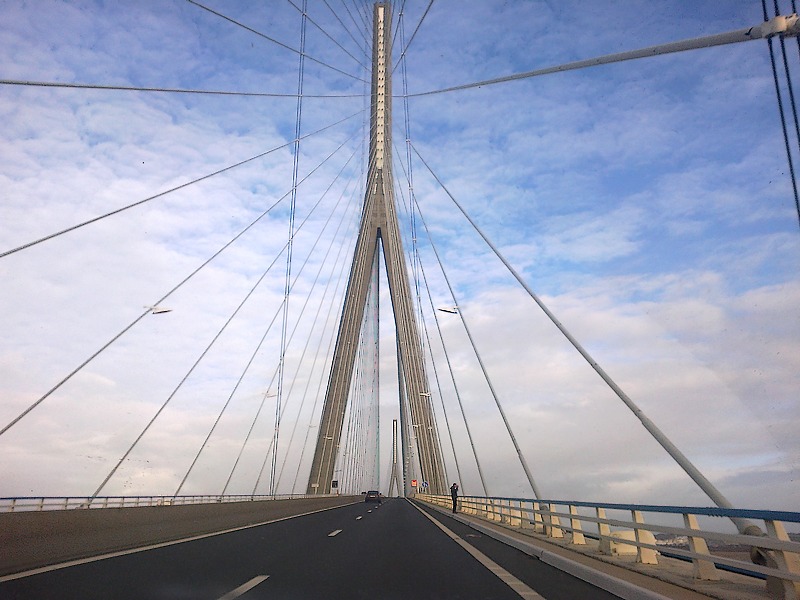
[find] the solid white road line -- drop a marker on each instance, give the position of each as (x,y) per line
(334,533)
(245,587)
(515,584)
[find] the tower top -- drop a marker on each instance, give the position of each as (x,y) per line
(380,138)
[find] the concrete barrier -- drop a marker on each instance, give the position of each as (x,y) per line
(30,540)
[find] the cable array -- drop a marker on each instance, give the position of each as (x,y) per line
(779,97)
(359,460)
(261,454)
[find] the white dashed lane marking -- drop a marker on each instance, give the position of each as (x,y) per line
(245,587)
(334,533)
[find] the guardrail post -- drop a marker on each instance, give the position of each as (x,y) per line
(788,562)
(538,520)
(701,568)
(646,556)
(527,515)
(515,517)
(604,532)
(575,524)
(552,524)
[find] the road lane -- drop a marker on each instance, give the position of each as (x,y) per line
(393,551)
(518,586)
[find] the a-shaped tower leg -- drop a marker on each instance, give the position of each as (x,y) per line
(378,225)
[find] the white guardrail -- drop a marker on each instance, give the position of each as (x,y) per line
(626,532)
(27,504)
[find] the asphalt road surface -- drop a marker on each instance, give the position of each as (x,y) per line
(356,551)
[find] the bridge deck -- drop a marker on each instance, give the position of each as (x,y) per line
(354,551)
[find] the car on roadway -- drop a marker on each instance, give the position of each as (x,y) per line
(373,496)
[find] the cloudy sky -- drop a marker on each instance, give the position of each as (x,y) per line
(648,203)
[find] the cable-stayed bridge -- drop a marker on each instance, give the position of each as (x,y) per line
(250,367)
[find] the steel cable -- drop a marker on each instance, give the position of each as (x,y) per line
(159,301)
(274,41)
(413,35)
(255,419)
(325,367)
(195,364)
(292,209)
(263,338)
(408,207)
(730,37)
(347,30)
(342,245)
(131,88)
(447,354)
(359,28)
(326,34)
(165,192)
(689,468)
(780,104)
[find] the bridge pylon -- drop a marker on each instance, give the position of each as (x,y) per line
(394,478)
(379,225)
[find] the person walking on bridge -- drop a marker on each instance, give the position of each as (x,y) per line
(454,495)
